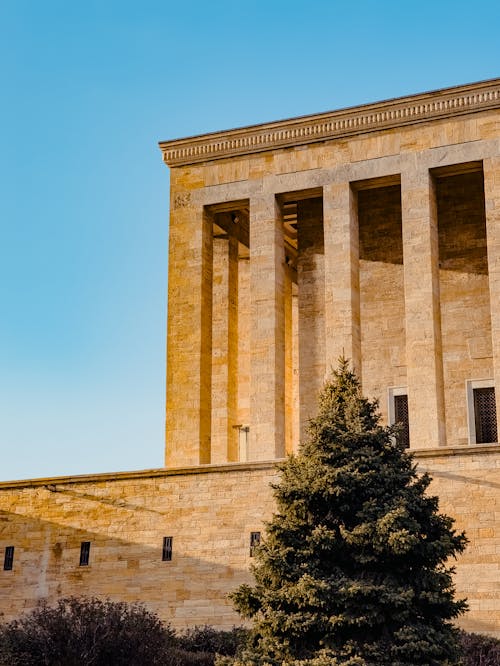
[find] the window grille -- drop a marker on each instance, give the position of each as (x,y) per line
(485,415)
(84,553)
(401,417)
(8,558)
(254,542)
(167,549)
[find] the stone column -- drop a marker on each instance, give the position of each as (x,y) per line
(189,335)
(491,168)
(342,312)
(422,307)
(295,365)
(267,330)
(224,441)
(243,418)
(311,294)
(289,421)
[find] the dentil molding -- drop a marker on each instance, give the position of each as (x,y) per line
(388,114)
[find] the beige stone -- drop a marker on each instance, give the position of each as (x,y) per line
(267,333)
(422,298)
(371,233)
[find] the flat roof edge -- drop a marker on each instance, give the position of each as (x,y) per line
(137,474)
(444,451)
(365,118)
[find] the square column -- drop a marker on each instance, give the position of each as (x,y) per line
(422,307)
(491,170)
(311,295)
(267,330)
(244,320)
(189,336)
(224,441)
(342,313)
(289,366)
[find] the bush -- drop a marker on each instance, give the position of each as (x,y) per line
(89,631)
(105,633)
(480,650)
(181,657)
(209,640)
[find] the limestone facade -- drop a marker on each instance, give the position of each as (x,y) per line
(210,512)
(371,232)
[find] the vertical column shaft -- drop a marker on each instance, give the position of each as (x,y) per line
(311,294)
(491,168)
(342,312)
(422,307)
(289,433)
(244,325)
(189,337)
(267,330)
(224,440)
(296,370)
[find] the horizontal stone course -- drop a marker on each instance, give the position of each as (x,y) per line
(211,536)
(400,272)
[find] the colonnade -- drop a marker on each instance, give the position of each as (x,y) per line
(204,335)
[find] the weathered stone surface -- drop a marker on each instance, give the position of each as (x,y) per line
(371,232)
(209,513)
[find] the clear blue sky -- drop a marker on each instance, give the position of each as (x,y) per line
(88,88)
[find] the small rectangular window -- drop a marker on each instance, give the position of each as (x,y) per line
(8,560)
(84,553)
(254,542)
(485,415)
(167,549)
(401,417)
(398,413)
(482,411)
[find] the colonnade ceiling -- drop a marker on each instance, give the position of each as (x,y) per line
(234,222)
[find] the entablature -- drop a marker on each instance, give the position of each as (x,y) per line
(389,114)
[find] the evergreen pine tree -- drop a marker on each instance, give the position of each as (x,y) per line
(354,566)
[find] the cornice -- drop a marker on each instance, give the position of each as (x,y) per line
(464,450)
(435,105)
(53,482)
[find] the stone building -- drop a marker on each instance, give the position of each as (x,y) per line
(371,232)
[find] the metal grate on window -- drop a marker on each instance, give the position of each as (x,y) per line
(254,542)
(84,553)
(485,415)
(8,560)
(401,417)
(167,549)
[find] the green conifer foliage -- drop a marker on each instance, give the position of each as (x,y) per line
(354,566)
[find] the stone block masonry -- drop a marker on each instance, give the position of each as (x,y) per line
(372,233)
(210,512)
(369,233)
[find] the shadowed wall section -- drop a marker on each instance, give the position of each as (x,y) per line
(371,233)
(210,513)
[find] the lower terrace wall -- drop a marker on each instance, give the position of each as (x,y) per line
(209,511)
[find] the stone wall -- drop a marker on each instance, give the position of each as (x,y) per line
(400,283)
(396,266)
(382,305)
(464,293)
(468,487)
(209,512)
